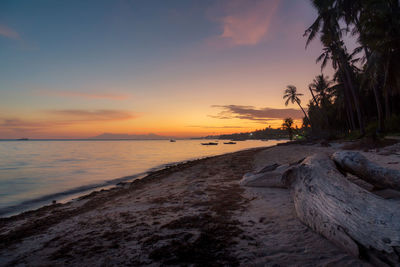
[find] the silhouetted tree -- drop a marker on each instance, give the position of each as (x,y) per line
(291,95)
(287,125)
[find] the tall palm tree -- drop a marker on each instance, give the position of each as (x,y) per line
(357,13)
(342,99)
(322,97)
(321,86)
(291,95)
(379,32)
(377,24)
(372,71)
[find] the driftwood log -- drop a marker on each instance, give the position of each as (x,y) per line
(362,223)
(269,176)
(355,163)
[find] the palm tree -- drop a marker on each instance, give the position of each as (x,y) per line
(291,95)
(377,26)
(342,99)
(327,23)
(321,86)
(358,14)
(371,79)
(287,125)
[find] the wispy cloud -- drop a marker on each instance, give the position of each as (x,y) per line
(8,32)
(62,118)
(254,114)
(90,115)
(246,22)
(17,124)
(99,95)
(215,127)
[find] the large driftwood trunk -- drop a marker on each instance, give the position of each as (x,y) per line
(355,163)
(362,223)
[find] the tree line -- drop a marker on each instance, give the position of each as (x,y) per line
(363,95)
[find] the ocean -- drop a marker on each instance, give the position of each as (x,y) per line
(34,173)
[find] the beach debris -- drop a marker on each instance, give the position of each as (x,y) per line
(359,221)
(355,163)
(325,143)
(269,176)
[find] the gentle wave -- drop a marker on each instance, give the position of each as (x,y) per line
(32,174)
(60,195)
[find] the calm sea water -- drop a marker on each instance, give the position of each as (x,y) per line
(33,173)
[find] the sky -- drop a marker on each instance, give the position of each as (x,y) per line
(183,68)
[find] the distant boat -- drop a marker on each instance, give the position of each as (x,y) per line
(210,144)
(172,140)
(23,139)
(229,143)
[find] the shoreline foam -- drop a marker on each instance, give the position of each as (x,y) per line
(80,191)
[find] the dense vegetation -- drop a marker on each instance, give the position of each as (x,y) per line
(363,96)
(264,134)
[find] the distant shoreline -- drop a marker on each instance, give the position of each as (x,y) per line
(83,139)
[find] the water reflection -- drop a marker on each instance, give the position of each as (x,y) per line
(31,170)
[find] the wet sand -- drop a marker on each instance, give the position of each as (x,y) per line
(191,213)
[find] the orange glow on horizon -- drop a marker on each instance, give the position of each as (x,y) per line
(87,129)
(226,76)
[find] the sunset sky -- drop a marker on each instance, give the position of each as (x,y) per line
(76,69)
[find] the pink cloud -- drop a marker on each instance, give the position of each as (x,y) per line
(79,115)
(111,96)
(62,118)
(246,23)
(255,114)
(8,32)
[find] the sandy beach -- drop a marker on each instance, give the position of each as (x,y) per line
(200,133)
(191,213)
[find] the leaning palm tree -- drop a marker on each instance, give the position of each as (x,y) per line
(291,95)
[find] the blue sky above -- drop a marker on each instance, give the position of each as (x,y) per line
(150,58)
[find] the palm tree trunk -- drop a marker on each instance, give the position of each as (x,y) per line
(315,99)
(356,99)
(386,91)
(387,105)
(305,114)
(360,31)
(381,122)
(348,105)
(349,110)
